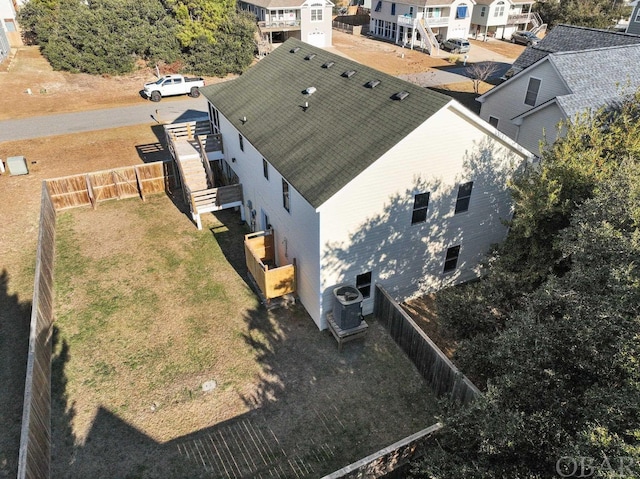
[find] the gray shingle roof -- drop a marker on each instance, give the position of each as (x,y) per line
(346,127)
(597,77)
(566,38)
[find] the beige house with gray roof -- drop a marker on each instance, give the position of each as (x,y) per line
(279,20)
(362,177)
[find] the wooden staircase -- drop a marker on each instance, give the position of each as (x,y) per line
(193,147)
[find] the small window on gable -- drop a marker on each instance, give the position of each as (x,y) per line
(379,6)
(464,197)
(493,121)
(363,283)
(316,12)
(241,141)
(461,11)
(393,9)
(482,11)
(532,91)
(285,195)
(420,207)
(638,16)
(451,259)
(265,168)
(411,11)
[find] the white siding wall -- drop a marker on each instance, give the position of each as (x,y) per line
(296,231)
(507,101)
(634,26)
(315,32)
(539,124)
(367,225)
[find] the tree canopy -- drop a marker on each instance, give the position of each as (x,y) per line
(553,330)
(585,13)
(110,36)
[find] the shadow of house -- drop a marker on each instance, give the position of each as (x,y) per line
(14,342)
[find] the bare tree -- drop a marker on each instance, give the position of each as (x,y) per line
(480,72)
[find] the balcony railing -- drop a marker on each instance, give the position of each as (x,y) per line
(431,21)
(518,18)
(279,25)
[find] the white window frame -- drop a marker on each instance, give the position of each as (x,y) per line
(317,11)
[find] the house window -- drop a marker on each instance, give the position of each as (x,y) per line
(499,9)
(464,196)
(451,259)
(420,206)
(241,140)
(393,9)
(482,11)
(363,283)
(532,91)
(285,195)
(316,12)
(638,16)
(461,11)
(265,168)
(379,6)
(493,121)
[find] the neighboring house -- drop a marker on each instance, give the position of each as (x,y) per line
(363,177)
(634,20)
(500,18)
(420,23)
(529,106)
(570,38)
(306,20)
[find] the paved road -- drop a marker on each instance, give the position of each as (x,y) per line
(456,74)
(65,123)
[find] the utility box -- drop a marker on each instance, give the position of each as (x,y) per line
(17,165)
(347,307)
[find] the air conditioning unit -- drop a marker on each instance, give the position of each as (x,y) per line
(347,307)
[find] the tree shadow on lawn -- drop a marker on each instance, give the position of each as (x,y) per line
(14,346)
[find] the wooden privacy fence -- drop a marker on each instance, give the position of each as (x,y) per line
(441,374)
(130,181)
(260,259)
(388,459)
(35,437)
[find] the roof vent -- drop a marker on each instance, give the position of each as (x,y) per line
(349,73)
(310,56)
(372,83)
(328,64)
(401,95)
(310,91)
(294,50)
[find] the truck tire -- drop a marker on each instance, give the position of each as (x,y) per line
(155,96)
(195,92)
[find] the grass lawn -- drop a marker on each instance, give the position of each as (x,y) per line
(165,365)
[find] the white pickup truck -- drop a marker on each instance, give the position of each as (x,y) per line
(169,85)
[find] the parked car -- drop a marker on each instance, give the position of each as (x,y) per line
(170,85)
(524,38)
(456,45)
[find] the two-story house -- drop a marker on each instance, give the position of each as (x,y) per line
(420,24)
(279,20)
(571,70)
(500,18)
(361,176)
